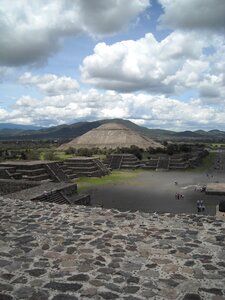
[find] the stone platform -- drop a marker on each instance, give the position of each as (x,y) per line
(215,189)
(55,252)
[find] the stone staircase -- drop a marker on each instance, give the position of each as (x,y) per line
(130,161)
(9,173)
(54,197)
(122,161)
(56,173)
(115,162)
(84,166)
(151,164)
(102,167)
(163,164)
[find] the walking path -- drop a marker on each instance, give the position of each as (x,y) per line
(53,252)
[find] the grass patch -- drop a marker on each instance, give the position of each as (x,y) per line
(86,183)
(207,162)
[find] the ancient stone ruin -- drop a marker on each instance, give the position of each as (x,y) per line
(122,161)
(84,166)
(161,162)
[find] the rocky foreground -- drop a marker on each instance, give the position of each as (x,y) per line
(58,252)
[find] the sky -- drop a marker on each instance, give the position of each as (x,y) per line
(157,63)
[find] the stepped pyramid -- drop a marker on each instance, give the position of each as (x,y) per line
(110,136)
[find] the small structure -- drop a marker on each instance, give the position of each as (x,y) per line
(57,171)
(215,189)
(122,161)
(174,162)
(222,206)
(84,166)
(33,170)
(60,192)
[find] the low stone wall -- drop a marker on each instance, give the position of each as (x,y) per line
(53,252)
(8,186)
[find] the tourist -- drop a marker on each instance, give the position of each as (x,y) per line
(203,207)
(198,206)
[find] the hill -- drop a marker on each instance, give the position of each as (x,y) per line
(67,132)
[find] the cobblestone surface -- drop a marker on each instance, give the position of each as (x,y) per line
(53,252)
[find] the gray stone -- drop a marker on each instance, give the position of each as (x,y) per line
(148,294)
(4,263)
(109,295)
(169,282)
(209,267)
(24,292)
(192,297)
(5,287)
(113,287)
(21,279)
(7,276)
(106,270)
(70,250)
(119,279)
(45,247)
(103,277)
(43,295)
(89,292)
(78,277)
(63,297)
(5,297)
(63,287)
(133,279)
(96,282)
(149,273)
(24,239)
(189,263)
(131,289)
(36,272)
(214,291)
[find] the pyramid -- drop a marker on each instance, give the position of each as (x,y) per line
(111,136)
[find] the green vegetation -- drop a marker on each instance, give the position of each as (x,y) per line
(86,183)
(207,162)
(217,145)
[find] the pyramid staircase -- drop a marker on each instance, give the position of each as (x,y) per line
(163,164)
(115,162)
(53,197)
(122,161)
(56,172)
(9,173)
(84,166)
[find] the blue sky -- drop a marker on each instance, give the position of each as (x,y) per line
(158,63)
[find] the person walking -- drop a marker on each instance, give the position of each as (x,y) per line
(198,206)
(203,207)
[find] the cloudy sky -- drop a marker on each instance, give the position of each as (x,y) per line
(158,63)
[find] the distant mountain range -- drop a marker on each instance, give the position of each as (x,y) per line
(10,131)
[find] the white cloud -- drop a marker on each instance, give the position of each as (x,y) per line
(151,111)
(194,14)
(179,62)
(50,83)
(31,30)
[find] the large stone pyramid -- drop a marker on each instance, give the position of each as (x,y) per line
(110,136)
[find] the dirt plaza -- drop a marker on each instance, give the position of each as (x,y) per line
(156,192)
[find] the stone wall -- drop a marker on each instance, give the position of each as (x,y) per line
(11,186)
(54,252)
